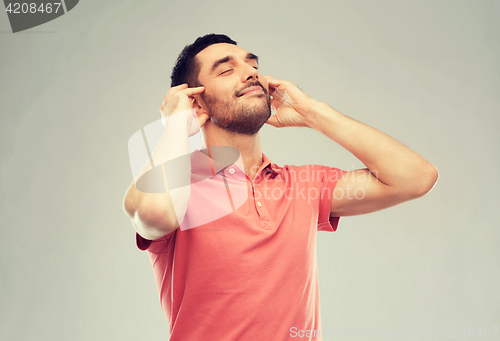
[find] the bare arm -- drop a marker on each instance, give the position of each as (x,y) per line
(154,215)
(394,172)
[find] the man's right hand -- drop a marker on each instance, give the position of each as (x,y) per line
(155,214)
(181,98)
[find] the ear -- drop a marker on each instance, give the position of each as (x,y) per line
(199,105)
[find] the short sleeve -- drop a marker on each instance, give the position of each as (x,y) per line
(157,246)
(328,182)
(142,243)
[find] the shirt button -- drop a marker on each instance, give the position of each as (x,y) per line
(231,170)
(259,203)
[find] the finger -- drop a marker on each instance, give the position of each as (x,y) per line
(180,86)
(162,111)
(194,91)
(177,88)
(276,103)
(273,82)
(272,88)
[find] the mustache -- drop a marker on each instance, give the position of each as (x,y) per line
(249,85)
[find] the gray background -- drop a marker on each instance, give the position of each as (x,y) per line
(74,90)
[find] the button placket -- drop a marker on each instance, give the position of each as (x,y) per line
(264,217)
(256,194)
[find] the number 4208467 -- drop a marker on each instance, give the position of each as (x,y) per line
(470,332)
(33,8)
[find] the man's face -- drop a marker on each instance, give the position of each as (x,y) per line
(236,96)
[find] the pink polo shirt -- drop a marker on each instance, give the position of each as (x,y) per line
(250,273)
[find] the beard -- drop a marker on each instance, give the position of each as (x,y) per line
(240,115)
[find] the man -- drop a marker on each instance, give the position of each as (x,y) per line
(250,273)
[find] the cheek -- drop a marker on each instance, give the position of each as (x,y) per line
(222,91)
(211,93)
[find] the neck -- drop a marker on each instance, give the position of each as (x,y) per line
(248,145)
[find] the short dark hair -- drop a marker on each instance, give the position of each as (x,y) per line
(186,67)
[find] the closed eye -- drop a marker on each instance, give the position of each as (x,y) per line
(228,70)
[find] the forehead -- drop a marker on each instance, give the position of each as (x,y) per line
(212,53)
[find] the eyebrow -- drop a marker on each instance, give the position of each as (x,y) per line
(249,56)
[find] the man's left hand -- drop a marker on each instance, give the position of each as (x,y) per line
(291,104)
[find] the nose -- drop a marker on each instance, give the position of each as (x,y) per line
(250,73)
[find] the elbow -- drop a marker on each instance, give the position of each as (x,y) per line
(427,179)
(156,219)
(151,225)
(129,206)
(150,218)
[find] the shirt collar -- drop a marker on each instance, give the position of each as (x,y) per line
(204,166)
(268,166)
